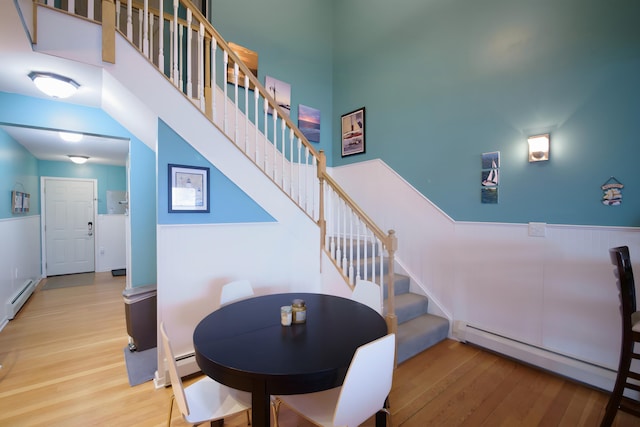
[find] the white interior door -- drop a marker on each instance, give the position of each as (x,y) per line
(69,226)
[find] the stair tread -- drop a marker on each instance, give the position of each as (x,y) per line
(408,299)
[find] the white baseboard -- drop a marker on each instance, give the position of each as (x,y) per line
(569,367)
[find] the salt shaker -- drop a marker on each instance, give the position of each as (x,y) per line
(285,315)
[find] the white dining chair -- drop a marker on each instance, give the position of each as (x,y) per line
(368,293)
(236,290)
(205,400)
(362,394)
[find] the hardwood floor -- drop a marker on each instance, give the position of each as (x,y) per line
(63,365)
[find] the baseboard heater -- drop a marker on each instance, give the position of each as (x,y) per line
(566,366)
(15,303)
(187,365)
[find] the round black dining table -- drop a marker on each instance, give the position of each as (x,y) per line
(243,345)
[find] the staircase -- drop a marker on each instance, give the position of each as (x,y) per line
(417,328)
(273,142)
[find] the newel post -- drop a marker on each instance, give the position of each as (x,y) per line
(108,31)
(322,170)
(392,320)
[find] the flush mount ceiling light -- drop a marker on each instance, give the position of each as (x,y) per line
(70,136)
(54,85)
(538,148)
(78,159)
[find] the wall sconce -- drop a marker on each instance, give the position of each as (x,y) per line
(538,148)
(54,85)
(78,159)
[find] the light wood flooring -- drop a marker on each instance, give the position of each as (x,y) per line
(63,365)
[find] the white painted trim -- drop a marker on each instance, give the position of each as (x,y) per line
(557,226)
(439,309)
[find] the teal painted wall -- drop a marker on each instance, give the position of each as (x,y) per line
(18,172)
(142,205)
(228,203)
(293,39)
(44,113)
(445,81)
(112,178)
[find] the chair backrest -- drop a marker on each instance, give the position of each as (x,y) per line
(367,383)
(236,290)
(621,258)
(368,293)
(176,381)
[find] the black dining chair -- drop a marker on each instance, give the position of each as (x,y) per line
(628,379)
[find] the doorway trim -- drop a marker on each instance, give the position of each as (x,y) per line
(43,216)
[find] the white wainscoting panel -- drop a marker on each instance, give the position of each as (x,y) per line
(112,249)
(194,261)
(19,257)
(554,295)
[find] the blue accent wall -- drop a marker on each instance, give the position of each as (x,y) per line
(112,178)
(293,40)
(142,207)
(227,202)
(18,172)
(445,81)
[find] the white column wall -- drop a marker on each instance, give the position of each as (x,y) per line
(112,248)
(194,261)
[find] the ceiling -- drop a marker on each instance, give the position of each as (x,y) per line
(18,60)
(46,144)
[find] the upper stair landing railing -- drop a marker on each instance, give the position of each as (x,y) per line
(183,45)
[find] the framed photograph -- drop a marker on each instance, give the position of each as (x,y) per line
(490,178)
(188,189)
(309,122)
(490,169)
(249,57)
(281,92)
(353,132)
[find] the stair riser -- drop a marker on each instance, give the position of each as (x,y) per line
(417,329)
(400,286)
(404,314)
(419,343)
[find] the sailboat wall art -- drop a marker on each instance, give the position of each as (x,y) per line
(490,177)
